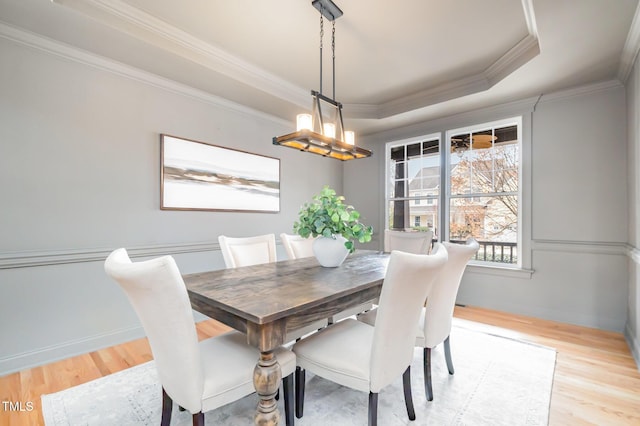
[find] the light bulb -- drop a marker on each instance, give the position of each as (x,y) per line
(330,130)
(303,122)
(350,137)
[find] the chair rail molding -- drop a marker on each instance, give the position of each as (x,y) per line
(633,253)
(26,259)
(592,247)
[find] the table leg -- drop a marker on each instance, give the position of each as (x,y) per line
(266,379)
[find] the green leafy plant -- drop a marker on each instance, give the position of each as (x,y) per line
(327,215)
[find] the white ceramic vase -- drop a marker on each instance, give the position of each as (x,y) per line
(330,252)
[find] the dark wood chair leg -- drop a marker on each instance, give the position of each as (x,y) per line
(447,355)
(167,407)
(198,419)
(408,399)
(427,374)
(373,409)
(300,377)
(287,385)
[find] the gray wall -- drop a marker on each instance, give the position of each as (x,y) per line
(632,330)
(79,166)
(576,204)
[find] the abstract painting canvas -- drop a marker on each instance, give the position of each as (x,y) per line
(199,176)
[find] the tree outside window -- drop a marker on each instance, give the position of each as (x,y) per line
(482,188)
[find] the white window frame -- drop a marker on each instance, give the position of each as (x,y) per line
(523,268)
(387,177)
(445,162)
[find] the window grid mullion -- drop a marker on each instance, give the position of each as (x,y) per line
(482,165)
(485,194)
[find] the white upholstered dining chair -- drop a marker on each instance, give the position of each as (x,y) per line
(198,376)
(357,355)
(296,246)
(410,242)
(436,317)
(246,251)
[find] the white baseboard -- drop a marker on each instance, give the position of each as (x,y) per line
(65,350)
(634,344)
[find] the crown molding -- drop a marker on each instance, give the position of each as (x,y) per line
(133,21)
(90,59)
(507,109)
(126,18)
(631,48)
(441,93)
(440,124)
(527,49)
(581,91)
(530,17)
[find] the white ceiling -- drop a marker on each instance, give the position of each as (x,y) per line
(397,63)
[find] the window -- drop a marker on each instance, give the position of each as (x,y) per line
(480,173)
(413,176)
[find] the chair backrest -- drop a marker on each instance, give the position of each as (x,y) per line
(442,299)
(246,251)
(296,246)
(406,285)
(159,297)
(409,242)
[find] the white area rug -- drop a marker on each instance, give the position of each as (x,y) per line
(497,381)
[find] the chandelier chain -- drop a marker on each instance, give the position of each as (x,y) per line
(321,37)
(333,55)
(313,134)
(333,39)
(321,29)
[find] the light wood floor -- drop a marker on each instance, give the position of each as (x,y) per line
(596,381)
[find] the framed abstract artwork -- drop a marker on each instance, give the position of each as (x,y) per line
(200,176)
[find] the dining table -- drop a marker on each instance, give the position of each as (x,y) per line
(270,300)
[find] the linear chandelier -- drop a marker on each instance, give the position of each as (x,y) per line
(313,134)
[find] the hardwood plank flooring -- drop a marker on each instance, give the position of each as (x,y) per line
(596,381)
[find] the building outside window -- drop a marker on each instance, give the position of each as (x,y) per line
(413,176)
(480,167)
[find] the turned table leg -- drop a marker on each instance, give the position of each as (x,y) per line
(266,379)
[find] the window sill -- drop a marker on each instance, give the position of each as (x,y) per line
(502,271)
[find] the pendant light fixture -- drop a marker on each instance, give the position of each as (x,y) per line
(313,132)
